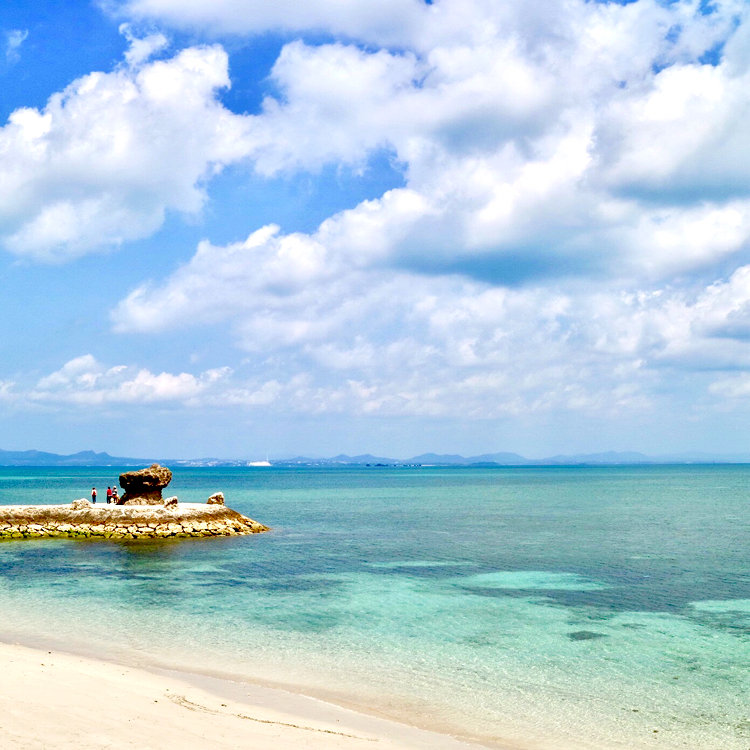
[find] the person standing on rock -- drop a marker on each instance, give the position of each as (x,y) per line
(109,495)
(93,494)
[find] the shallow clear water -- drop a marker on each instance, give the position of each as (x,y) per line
(606,606)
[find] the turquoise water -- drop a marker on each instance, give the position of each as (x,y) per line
(598,607)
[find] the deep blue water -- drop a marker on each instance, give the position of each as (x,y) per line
(611,604)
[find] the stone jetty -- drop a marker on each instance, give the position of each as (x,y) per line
(140,514)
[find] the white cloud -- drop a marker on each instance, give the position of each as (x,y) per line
(529,142)
(393,342)
(13,41)
(105,160)
(734,387)
(684,138)
(7,393)
(542,135)
(85,381)
(410,345)
(540,151)
(141,48)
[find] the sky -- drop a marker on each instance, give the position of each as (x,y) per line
(245,229)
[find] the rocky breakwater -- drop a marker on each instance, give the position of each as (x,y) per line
(140,515)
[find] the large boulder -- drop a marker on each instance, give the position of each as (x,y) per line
(144,487)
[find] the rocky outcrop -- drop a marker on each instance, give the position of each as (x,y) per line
(141,514)
(124,522)
(144,487)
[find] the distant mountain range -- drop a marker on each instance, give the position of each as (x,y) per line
(609,458)
(83,458)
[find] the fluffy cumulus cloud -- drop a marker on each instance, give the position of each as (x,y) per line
(597,133)
(85,381)
(573,226)
(379,341)
(591,136)
(106,158)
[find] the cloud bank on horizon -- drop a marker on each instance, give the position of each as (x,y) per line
(557,222)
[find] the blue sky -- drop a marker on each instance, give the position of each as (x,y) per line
(246,228)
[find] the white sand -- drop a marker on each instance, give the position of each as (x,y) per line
(57,700)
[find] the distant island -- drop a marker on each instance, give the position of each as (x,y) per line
(609,458)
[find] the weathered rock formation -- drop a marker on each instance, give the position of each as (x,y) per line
(216,499)
(144,487)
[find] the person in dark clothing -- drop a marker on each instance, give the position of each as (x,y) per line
(93,494)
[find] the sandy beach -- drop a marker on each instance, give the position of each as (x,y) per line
(53,699)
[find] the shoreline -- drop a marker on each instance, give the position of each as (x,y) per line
(261,699)
(53,698)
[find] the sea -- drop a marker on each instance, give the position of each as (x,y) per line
(582,607)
